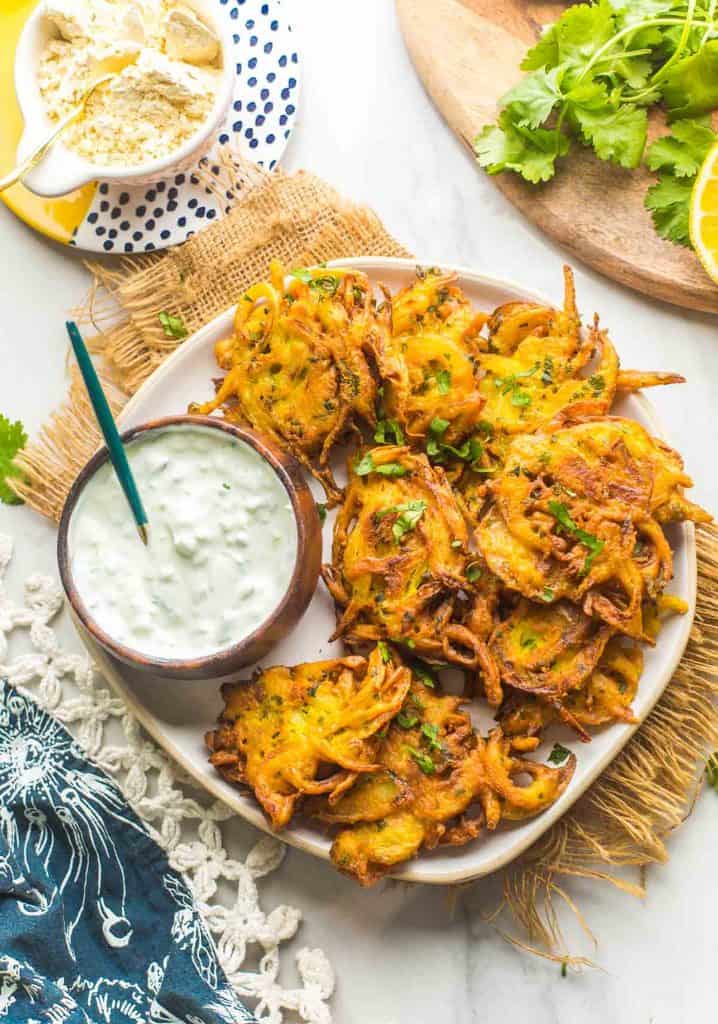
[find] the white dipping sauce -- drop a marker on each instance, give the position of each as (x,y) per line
(223,544)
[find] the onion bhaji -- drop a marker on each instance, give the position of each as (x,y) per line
(576,513)
(505,523)
(297,365)
(435,770)
(281,729)
(428,360)
(401,566)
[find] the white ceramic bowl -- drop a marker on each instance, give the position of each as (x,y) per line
(63,170)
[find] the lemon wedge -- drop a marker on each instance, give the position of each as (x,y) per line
(703,224)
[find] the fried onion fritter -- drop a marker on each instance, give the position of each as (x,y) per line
(400,560)
(435,768)
(605,696)
(535,366)
(576,514)
(279,730)
(428,360)
(298,369)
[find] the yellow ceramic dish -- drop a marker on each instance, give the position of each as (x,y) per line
(56,218)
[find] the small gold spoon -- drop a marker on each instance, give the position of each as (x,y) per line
(108,69)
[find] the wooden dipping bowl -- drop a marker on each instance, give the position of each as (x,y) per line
(227,662)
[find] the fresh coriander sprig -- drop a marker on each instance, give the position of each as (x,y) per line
(12,439)
(591,77)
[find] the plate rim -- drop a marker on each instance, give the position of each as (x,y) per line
(222,790)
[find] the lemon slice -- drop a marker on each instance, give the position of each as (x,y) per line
(703,223)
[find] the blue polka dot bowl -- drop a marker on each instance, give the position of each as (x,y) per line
(62,170)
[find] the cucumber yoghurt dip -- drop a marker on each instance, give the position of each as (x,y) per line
(222,548)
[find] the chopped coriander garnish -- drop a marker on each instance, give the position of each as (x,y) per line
(430,732)
(406,720)
(321,511)
(473,572)
(559,754)
(443,382)
(408,515)
(547,595)
(227,487)
(366,465)
(423,760)
(384,652)
(424,676)
(528,641)
(173,326)
(388,432)
(595,546)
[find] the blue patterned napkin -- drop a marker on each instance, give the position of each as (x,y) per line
(95,927)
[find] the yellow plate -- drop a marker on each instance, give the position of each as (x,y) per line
(113,218)
(56,218)
(704,214)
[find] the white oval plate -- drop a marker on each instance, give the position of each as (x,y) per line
(178,714)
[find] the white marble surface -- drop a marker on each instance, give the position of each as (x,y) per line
(403,954)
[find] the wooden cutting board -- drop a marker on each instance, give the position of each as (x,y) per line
(467,53)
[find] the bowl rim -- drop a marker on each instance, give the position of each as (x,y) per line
(284,467)
(82,170)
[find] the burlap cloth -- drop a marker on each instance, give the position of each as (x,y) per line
(625,818)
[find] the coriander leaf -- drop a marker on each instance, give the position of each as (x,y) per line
(669,202)
(595,546)
(408,516)
(616,135)
(520,398)
(424,676)
(321,511)
(302,275)
(547,595)
(406,721)
(443,382)
(684,150)
(545,52)
(173,326)
(391,469)
(438,427)
(580,32)
(430,732)
(12,439)
(384,652)
(386,430)
(559,754)
(690,86)
(534,97)
(473,572)
(366,465)
(532,153)
(423,760)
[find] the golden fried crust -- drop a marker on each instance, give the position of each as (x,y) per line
(299,372)
(435,769)
(432,772)
(406,585)
(605,696)
(533,360)
(428,361)
(548,650)
(278,730)
(576,515)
